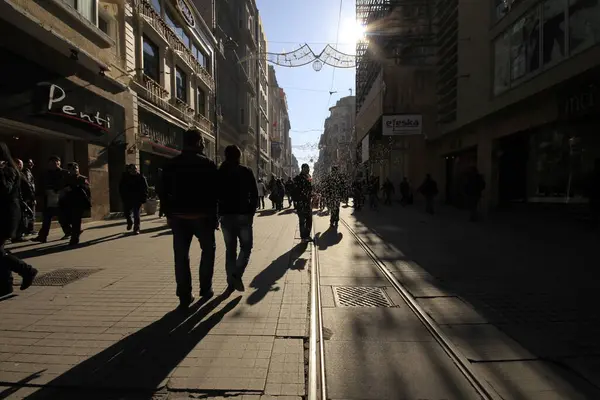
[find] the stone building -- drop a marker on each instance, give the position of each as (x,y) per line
(520,100)
(65,89)
(170,53)
(335,144)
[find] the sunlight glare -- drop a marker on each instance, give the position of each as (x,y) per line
(351,31)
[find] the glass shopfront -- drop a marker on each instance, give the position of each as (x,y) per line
(549,33)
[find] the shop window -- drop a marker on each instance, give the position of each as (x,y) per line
(554,31)
(502,63)
(151,60)
(584,24)
(87,8)
(201,106)
(524,43)
(179,31)
(180,85)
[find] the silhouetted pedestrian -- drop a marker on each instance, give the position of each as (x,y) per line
(429,190)
(238,197)
(10,217)
(54,183)
(190,203)
(134,192)
(302,198)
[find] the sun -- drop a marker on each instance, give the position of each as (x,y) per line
(351,31)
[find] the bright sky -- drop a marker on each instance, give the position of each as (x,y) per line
(290,23)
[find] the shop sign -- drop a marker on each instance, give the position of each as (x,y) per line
(585,101)
(57,103)
(186,12)
(159,131)
(402,124)
(34,95)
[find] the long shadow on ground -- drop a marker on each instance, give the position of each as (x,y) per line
(266,280)
(144,359)
(536,280)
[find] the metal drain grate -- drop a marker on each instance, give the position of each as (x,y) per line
(64,276)
(358,296)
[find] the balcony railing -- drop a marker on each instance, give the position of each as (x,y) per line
(203,123)
(186,111)
(154,19)
(152,91)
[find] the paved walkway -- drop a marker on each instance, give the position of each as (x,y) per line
(113,334)
(517,297)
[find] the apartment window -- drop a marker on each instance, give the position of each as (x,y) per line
(584,24)
(201,106)
(554,31)
(156,5)
(525,45)
(180,85)
(177,28)
(502,63)
(104,25)
(87,8)
(200,56)
(151,60)
(242,116)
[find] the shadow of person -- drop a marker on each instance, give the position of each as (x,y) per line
(64,246)
(266,213)
(329,238)
(144,359)
(265,281)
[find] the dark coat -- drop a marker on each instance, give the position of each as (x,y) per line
(78,196)
(10,202)
(133,189)
(303,189)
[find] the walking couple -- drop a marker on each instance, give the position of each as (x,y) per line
(197,198)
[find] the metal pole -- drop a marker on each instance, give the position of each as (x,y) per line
(258,107)
(216,111)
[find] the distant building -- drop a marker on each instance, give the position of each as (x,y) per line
(336,143)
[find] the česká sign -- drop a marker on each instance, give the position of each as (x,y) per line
(402,124)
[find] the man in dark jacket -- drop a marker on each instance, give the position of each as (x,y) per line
(30,200)
(238,199)
(302,198)
(10,216)
(190,204)
(289,190)
(334,188)
(134,192)
(77,200)
(54,183)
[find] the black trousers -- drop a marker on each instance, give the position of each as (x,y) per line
(305,220)
(49,213)
(73,219)
(8,264)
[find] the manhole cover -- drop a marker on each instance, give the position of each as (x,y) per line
(357,296)
(64,276)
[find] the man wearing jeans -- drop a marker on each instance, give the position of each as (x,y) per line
(238,199)
(190,204)
(303,201)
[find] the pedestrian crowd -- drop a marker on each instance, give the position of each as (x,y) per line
(197,197)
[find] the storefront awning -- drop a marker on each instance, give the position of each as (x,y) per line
(156,148)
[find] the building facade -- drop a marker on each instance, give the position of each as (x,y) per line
(335,144)
(236,27)
(279,127)
(395,88)
(170,53)
(528,115)
(65,90)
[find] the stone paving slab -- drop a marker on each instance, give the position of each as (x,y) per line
(286,371)
(116,329)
